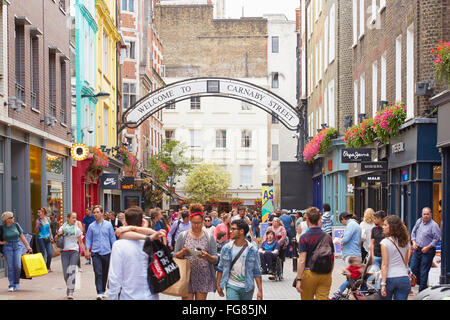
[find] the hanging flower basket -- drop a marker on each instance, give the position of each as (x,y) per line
(319,144)
(127,157)
(442,62)
(360,134)
(387,122)
(99,161)
(236,202)
(258,204)
(214,202)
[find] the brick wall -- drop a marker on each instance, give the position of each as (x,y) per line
(53,23)
(236,47)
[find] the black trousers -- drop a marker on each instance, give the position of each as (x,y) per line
(101,268)
(268,260)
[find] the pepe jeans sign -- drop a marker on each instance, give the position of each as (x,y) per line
(223,87)
(356,155)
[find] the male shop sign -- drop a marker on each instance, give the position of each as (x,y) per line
(353,155)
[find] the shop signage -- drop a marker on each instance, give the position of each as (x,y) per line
(398,147)
(374,178)
(222,87)
(356,155)
(109,181)
(127,183)
(374,166)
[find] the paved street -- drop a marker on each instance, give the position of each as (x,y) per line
(52,286)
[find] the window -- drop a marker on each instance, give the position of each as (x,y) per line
(374,88)
(131,50)
(171,105)
(221,138)
(275,83)
(332,53)
(320,60)
(63,91)
(362,96)
(105,54)
(275,44)
(130,144)
(361,18)
(331,104)
(195,103)
(20,62)
(128,5)
(374,10)
(410,71)
(52,83)
(34,68)
(355,101)
(246,139)
(316,61)
(245,106)
(195,138)
(326,106)
(355,22)
(383,77)
(246,175)
(326,42)
(308,17)
(128,95)
(398,68)
(105,125)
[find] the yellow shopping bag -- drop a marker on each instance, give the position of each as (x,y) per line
(34,265)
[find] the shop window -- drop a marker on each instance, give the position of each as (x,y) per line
(54,164)
(55,203)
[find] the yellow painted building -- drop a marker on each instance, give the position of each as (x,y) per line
(105,81)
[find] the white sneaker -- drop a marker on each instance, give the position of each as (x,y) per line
(11,289)
(70,296)
(99,296)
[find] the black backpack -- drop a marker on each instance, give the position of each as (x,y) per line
(321,260)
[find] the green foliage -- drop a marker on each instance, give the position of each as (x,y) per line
(206,181)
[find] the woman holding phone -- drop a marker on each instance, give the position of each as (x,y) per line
(200,249)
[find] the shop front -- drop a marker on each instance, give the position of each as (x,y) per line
(441,203)
(414,171)
(110,193)
(317,175)
(84,188)
(335,179)
(131,193)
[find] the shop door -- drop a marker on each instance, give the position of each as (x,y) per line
(317,193)
(404,200)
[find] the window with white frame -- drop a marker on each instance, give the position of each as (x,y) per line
(308,17)
(374,88)
(383,77)
(332,52)
(398,68)
(410,72)
(128,95)
(355,102)
(355,22)
(131,50)
(246,175)
(362,95)
(195,103)
(195,138)
(275,44)
(128,5)
(105,125)
(169,135)
(331,104)
(316,61)
(105,54)
(320,59)
(326,42)
(246,138)
(326,116)
(221,138)
(362,20)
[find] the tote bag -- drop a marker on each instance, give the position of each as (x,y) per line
(181,287)
(162,270)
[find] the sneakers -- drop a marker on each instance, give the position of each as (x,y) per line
(336,296)
(88,262)
(99,296)
(16,287)
(11,289)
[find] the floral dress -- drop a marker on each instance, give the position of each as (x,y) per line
(201,279)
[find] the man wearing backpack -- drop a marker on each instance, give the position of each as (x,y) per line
(316,259)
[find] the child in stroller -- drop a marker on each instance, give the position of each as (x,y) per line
(362,281)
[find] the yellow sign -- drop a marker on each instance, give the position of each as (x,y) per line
(79,151)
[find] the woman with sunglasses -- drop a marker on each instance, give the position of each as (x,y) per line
(208,227)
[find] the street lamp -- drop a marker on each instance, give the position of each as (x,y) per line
(99,95)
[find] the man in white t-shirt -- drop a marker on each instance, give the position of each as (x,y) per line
(128,267)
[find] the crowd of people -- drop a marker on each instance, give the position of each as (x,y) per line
(229,252)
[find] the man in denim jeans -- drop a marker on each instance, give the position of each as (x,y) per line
(239,266)
(424,236)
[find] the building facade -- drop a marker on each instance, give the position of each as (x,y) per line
(35,121)
(229,132)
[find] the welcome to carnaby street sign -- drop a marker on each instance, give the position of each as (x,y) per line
(220,87)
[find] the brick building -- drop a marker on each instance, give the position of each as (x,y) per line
(35,134)
(391,44)
(142,70)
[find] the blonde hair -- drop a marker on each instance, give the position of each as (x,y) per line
(369,215)
(6,215)
(279,221)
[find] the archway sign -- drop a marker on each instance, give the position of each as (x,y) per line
(211,87)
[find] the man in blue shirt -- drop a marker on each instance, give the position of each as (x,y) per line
(87,220)
(351,241)
(100,238)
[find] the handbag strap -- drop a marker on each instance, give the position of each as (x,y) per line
(403,259)
(238,255)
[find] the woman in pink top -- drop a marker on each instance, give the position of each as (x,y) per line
(224,226)
(280,232)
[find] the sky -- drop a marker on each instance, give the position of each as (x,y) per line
(256,8)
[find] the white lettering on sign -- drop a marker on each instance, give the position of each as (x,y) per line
(398,147)
(355,155)
(227,88)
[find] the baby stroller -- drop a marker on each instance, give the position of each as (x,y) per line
(366,286)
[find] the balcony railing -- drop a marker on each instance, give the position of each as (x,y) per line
(20,92)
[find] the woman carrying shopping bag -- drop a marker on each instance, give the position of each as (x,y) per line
(70,253)
(44,236)
(12,233)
